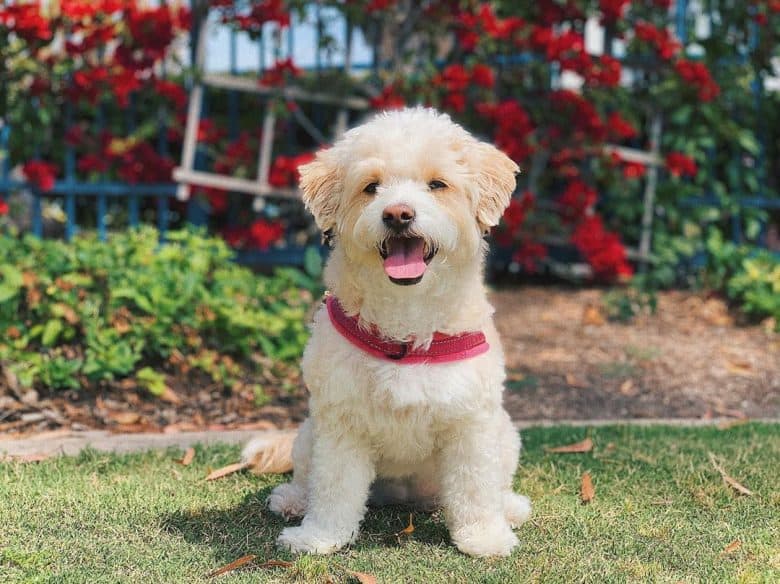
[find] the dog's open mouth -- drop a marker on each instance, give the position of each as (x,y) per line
(406,258)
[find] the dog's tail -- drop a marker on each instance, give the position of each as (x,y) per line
(270,452)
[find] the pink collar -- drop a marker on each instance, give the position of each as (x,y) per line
(443,348)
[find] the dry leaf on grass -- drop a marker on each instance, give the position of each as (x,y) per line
(362,577)
(234,565)
(408,529)
(188,457)
(731,548)
(226,470)
(587,492)
(740,488)
(578,447)
(739,367)
(276,564)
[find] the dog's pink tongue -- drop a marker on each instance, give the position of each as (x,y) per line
(405,259)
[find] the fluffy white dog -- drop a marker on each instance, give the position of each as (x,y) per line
(407,198)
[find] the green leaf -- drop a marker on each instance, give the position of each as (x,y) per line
(51,332)
(312,262)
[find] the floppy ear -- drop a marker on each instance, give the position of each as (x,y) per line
(495,175)
(320,184)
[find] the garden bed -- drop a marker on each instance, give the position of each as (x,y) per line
(565,361)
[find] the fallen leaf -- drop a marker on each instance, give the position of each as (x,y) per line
(733,483)
(362,577)
(592,316)
(578,382)
(578,447)
(276,564)
(738,367)
(627,388)
(170,396)
(234,565)
(226,470)
(587,492)
(731,548)
(188,457)
(124,418)
(408,529)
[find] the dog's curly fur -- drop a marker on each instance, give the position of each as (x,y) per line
(434,434)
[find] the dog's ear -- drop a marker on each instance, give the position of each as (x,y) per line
(320,184)
(495,175)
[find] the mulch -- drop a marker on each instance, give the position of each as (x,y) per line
(565,361)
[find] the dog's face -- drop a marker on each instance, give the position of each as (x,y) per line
(408,191)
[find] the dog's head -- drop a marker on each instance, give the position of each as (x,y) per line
(408,191)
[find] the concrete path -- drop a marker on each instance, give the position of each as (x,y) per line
(71,442)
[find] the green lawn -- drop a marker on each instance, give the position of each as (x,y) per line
(661,513)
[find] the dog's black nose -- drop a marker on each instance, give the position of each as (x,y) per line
(398,217)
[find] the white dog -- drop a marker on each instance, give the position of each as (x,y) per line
(404,365)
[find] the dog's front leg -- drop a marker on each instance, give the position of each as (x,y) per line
(471,491)
(341,474)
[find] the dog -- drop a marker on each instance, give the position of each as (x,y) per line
(404,365)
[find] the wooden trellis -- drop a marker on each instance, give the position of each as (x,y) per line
(187,176)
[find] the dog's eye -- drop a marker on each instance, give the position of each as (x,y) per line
(370,188)
(436,184)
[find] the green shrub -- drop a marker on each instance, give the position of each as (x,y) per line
(749,276)
(90,311)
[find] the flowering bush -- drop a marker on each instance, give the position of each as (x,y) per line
(519,73)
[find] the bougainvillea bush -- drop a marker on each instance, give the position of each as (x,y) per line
(518,73)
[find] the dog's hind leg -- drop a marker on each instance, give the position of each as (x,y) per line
(517,508)
(291,499)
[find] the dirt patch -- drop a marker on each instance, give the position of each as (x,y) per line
(564,361)
(690,359)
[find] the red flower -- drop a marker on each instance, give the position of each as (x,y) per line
(263,233)
(92,163)
(388,99)
(284,170)
(698,75)
(3,208)
(455,102)
(172,92)
(576,200)
(513,127)
(483,76)
(453,78)
(659,38)
(40,174)
(528,255)
(678,164)
(601,249)
(613,10)
(26,21)
(280,73)
(619,128)
(377,5)
(632,170)
(605,71)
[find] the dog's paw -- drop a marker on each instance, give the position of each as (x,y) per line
(305,539)
(288,500)
(517,509)
(486,539)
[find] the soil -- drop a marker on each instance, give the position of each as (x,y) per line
(565,361)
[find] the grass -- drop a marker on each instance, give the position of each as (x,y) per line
(661,514)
